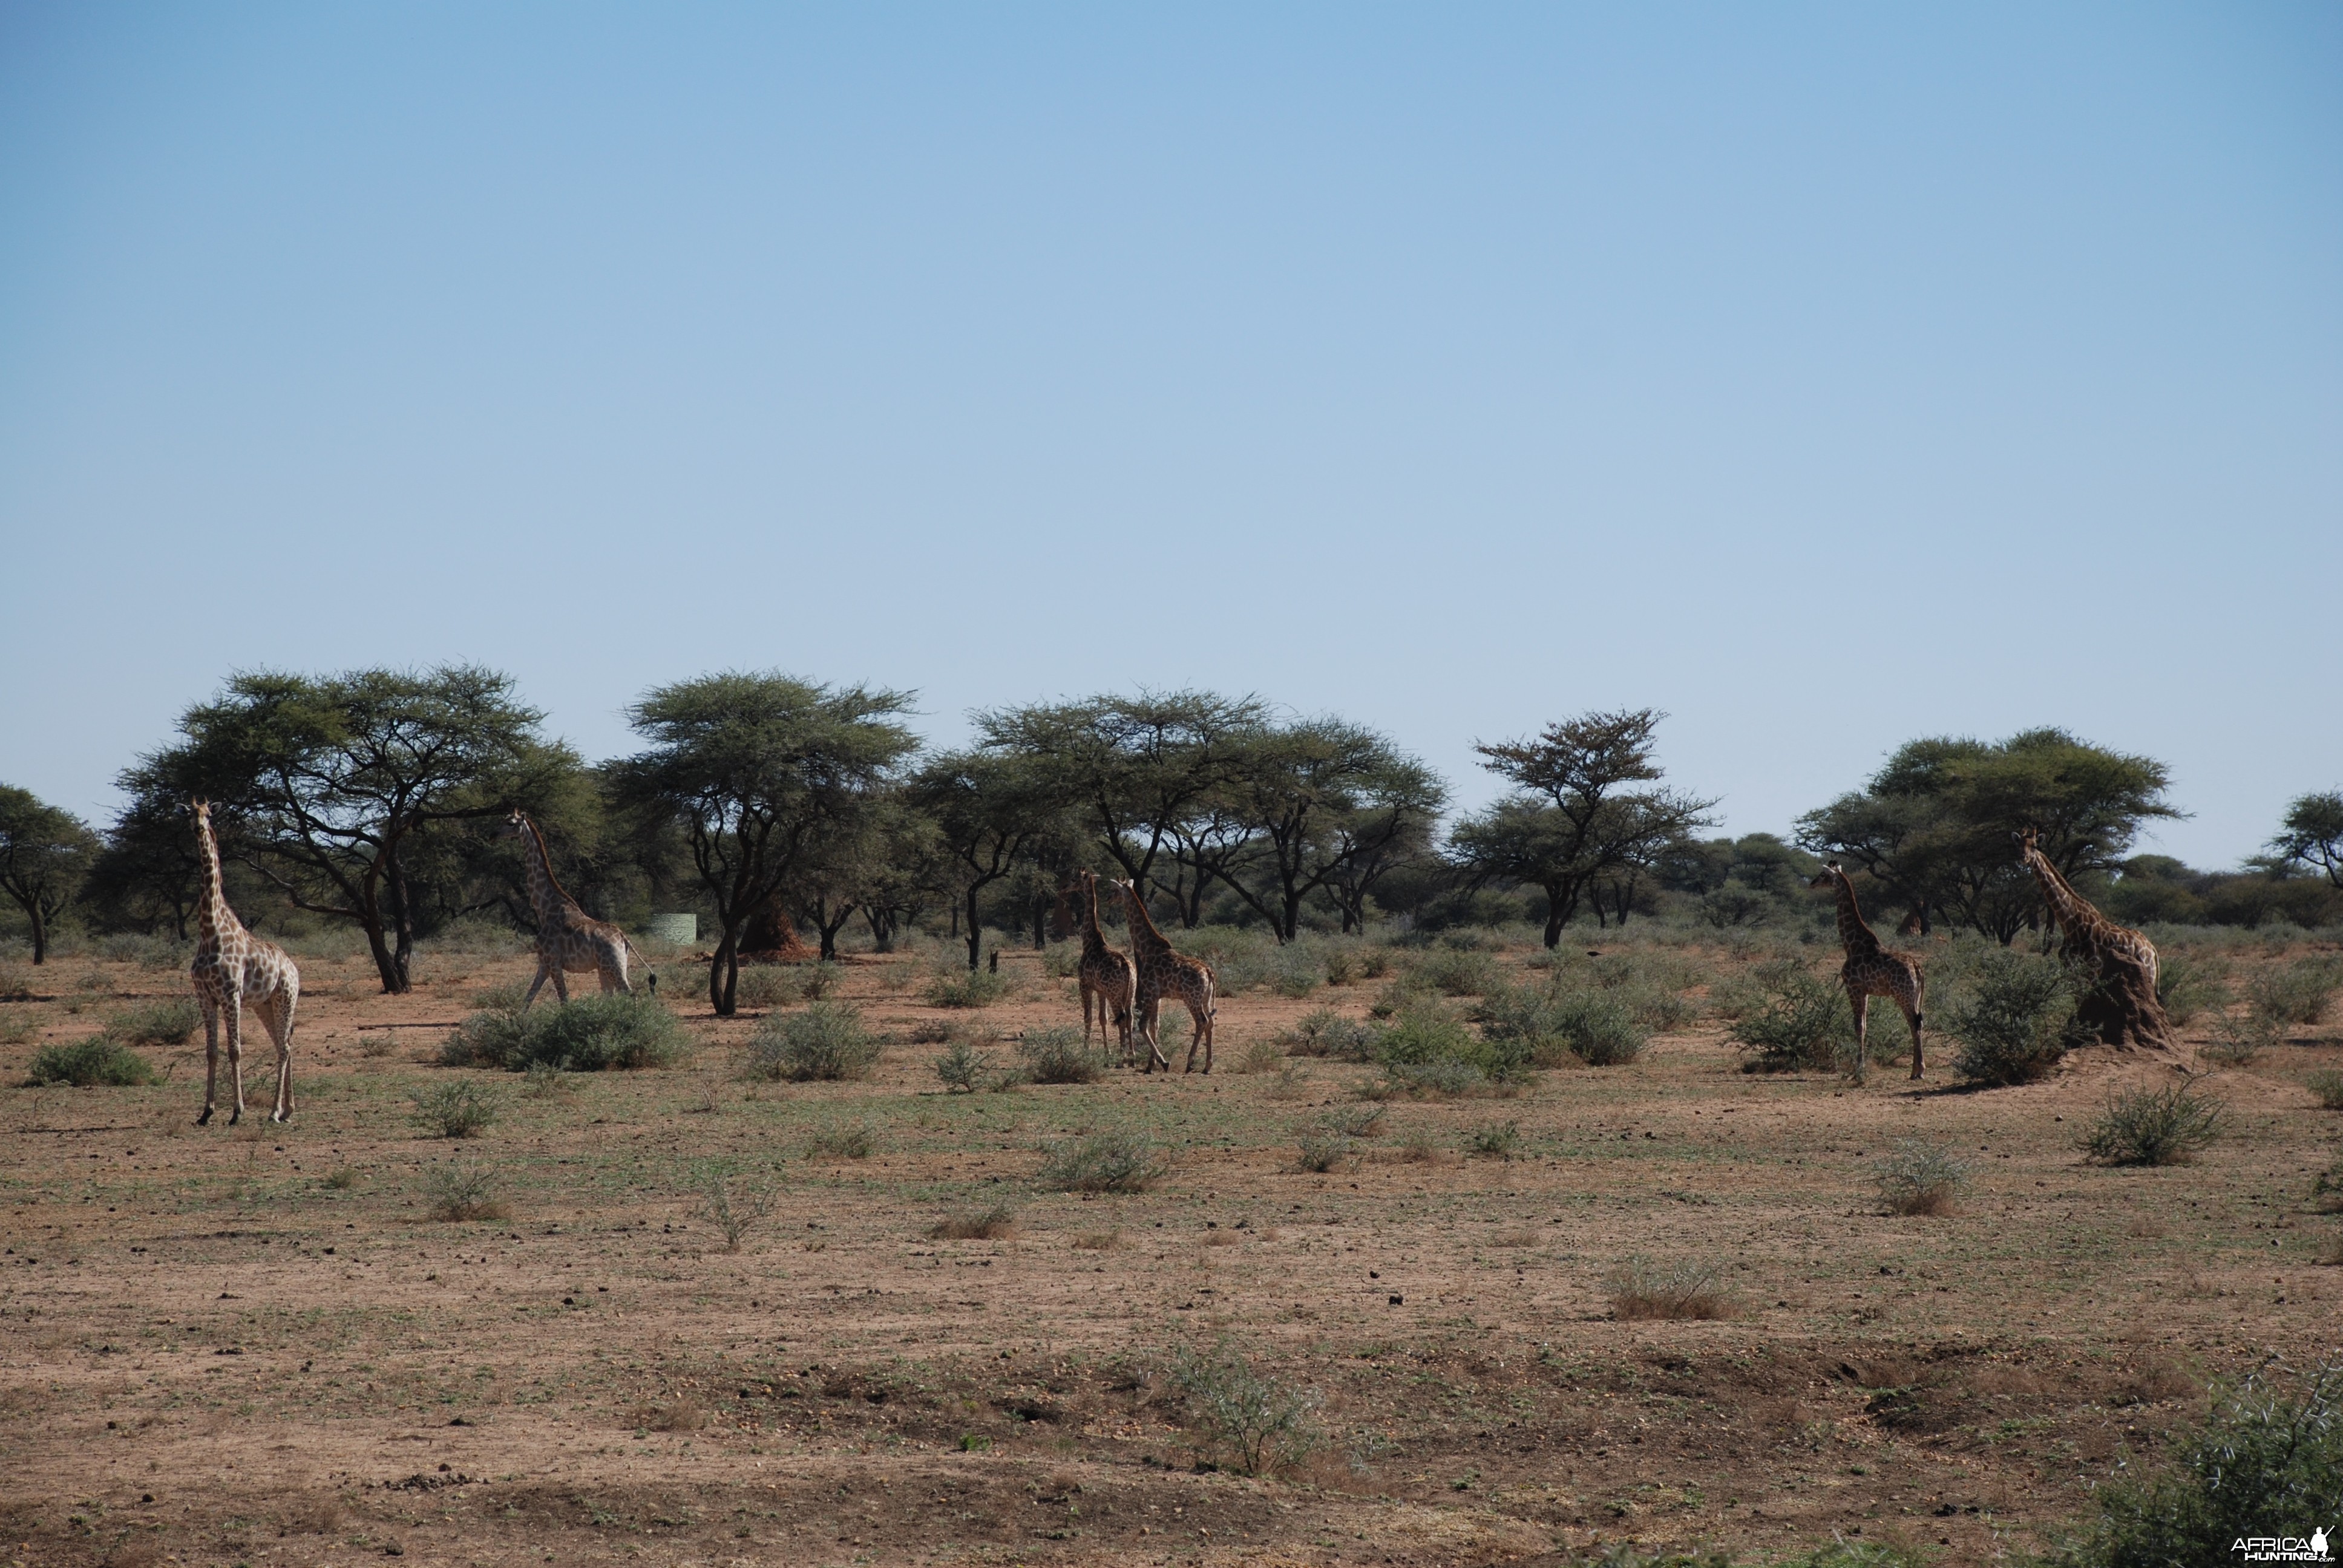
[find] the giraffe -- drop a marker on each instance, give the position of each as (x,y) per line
(1105,974)
(232,964)
(569,939)
(1873,969)
(1163,973)
(2123,1007)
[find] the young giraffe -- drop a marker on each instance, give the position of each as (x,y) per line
(1164,973)
(2125,1004)
(569,939)
(1105,974)
(232,964)
(1873,969)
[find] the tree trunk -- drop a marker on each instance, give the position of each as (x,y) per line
(40,932)
(975,930)
(386,962)
(1040,922)
(724,973)
(402,920)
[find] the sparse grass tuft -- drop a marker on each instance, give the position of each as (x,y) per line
(1685,1288)
(962,1066)
(966,987)
(1495,1141)
(377,1046)
(734,1205)
(1321,1149)
(668,1415)
(1919,1178)
(99,1061)
(991,1224)
(543,1081)
(2297,992)
(2327,1085)
(827,1042)
(340,1179)
(1112,1160)
(1259,1423)
(461,1190)
(15,983)
(1099,1241)
(1058,1056)
(842,1140)
(458,1109)
(2164,1126)
(2240,1037)
(1260,1056)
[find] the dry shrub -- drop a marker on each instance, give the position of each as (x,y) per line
(1058,1056)
(993,1224)
(668,1415)
(2154,1384)
(1112,1159)
(842,1140)
(1221,1238)
(1260,1056)
(2166,1126)
(460,1190)
(2327,1085)
(1514,1239)
(1099,1241)
(1919,1178)
(1685,1288)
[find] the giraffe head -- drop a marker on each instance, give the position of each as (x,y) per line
(2028,844)
(200,809)
(1827,877)
(514,825)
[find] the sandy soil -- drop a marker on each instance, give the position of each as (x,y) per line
(219,1351)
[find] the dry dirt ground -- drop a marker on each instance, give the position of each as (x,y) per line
(217,1350)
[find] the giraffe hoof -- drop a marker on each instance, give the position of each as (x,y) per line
(204,1117)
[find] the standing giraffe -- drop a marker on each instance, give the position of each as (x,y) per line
(232,964)
(1164,973)
(2123,1007)
(569,939)
(1105,974)
(1873,969)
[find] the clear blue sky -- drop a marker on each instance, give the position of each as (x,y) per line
(1825,376)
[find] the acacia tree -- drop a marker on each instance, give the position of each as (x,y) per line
(991,809)
(2313,835)
(1933,826)
(1320,805)
(1574,817)
(44,853)
(1141,772)
(328,782)
(761,772)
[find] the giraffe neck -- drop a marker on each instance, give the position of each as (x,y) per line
(1853,934)
(1145,937)
(2067,906)
(1093,937)
(543,892)
(213,917)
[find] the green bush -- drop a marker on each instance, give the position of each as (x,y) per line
(1112,1159)
(826,1042)
(962,1066)
(2268,1461)
(1058,1056)
(2296,993)
(1321,1149)
(167,1023)
(1601,1029)
(458,1109)
(1293,972)
(2186,984)
(1790,1019)
(1259,1423)
(2013,1020)
(100,1060)
(766,985)
(605,1031)
(2163,1126)
(1453,972)
(735,1204)
(1326,1032)
(966,987)
(1428,1049)
(1496,1140)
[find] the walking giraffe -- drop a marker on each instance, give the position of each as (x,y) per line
(1163,973)
(1106,974)
(2122,1007)
(1873,969)
(232,964)
(569,939)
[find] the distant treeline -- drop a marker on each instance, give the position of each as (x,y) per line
(772,806)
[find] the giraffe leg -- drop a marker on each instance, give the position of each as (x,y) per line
(613,978)
(279,1019)
(1862,1024)
(1151,1025)
(1912,1013)
(534,984)
(1086,1015)
(560,981)
(234,1007)
(1199,1030)
(211,1055)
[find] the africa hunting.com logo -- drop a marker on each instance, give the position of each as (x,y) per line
(2284,1548)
